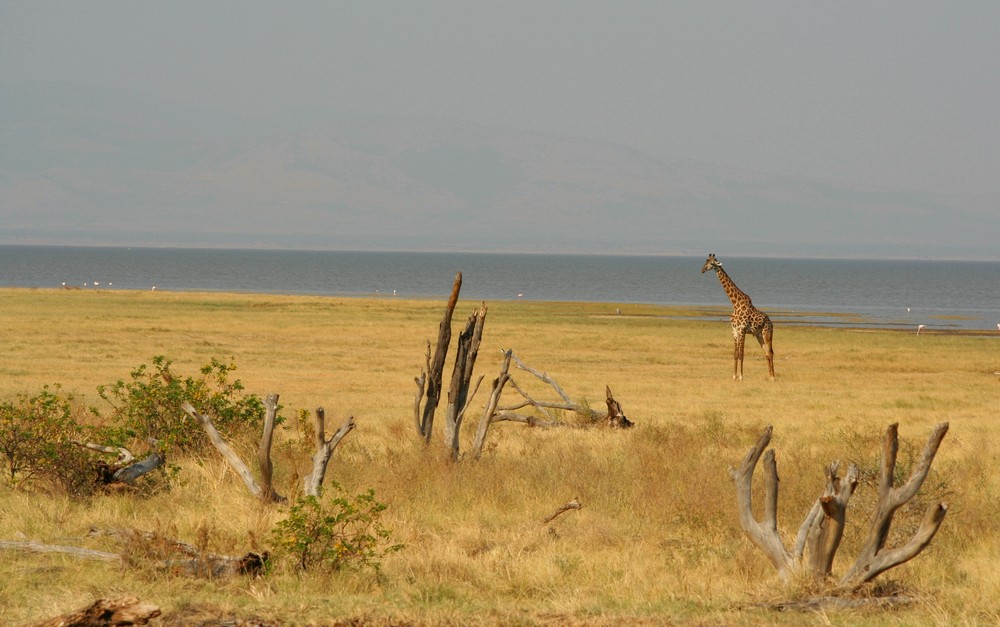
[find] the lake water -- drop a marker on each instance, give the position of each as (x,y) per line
(943,295)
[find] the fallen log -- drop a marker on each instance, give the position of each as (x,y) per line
(199,563)
(37,547)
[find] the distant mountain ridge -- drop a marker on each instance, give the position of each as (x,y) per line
(79,166)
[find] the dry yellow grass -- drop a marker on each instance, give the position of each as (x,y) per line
(657,540)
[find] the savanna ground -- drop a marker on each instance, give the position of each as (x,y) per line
(657,540)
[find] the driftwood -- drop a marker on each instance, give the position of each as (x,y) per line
(106,612)
(574,504)
(324,449)
(432,376)
(819,535)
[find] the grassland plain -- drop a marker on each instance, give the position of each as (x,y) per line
(657,541)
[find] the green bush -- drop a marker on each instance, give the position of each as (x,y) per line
(148,405)
(36,436)
(340,531)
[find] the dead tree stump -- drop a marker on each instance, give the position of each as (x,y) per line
(819,536)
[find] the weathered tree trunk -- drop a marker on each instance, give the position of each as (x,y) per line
(267,493)
(461,378)
(435,367)
(820,534)
(106,612)
(324,449)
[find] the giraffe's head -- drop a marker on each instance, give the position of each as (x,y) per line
(711,263)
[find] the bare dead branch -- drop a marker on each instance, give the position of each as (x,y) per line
(125,456)
(545,379)
(574,504)
(531,421)
(228,453)
(566,404)
(491,406)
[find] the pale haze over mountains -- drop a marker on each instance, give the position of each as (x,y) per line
(776,129)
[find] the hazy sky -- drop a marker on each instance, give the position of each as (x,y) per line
(899,93)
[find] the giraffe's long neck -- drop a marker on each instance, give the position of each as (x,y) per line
(736,296)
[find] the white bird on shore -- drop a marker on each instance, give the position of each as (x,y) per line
(920,327)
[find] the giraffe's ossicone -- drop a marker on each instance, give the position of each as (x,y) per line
(746,319)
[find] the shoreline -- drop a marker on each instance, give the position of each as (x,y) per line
(848,321)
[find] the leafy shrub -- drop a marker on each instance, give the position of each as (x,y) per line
(148,405)
(36,434)
(340,531)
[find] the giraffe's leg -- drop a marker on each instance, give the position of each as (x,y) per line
(738,342)
(764,337)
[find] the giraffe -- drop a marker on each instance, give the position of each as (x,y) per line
(745,319)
